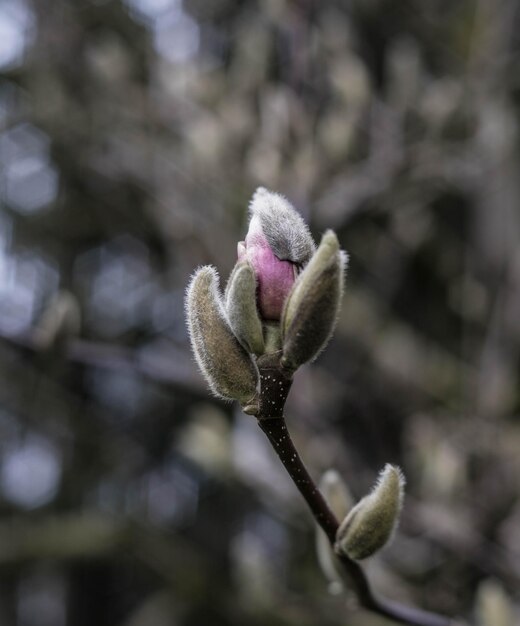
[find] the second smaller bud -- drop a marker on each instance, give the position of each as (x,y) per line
(370,525)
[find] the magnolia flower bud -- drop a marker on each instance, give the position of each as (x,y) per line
(371,523)
(278,272)
(228,369)
(312,308)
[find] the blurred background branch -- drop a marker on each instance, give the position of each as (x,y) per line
(132,134)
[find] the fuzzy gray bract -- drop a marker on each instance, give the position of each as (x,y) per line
(227,367)
(241,308)
(286,232)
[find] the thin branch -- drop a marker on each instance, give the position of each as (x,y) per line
(161,362)
(275,385)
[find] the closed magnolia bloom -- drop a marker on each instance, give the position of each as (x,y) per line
(283,295)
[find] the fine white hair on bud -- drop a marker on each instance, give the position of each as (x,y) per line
(226,366)
(60,321)
(370,525)
(312,308)
(284,228)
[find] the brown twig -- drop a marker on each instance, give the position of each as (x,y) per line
(161,362)
(275,384)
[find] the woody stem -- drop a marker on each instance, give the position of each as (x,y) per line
(275,384)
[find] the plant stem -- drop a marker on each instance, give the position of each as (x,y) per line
(275,383)
(278,435)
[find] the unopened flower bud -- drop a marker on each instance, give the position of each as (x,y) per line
(371,523)
(228,369)
(281,302)
(312,308)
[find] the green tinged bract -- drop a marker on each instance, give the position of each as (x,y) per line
(370,525)
(241,308)
(312,308)
(227,367)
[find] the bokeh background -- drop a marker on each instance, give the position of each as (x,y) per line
(132,135)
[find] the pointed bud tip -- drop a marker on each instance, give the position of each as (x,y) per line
(205,274)
(331,242)
(396,474)
(330,238)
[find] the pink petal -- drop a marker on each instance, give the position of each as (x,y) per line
(275,280)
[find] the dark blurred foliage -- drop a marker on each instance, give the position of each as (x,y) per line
(132,135)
